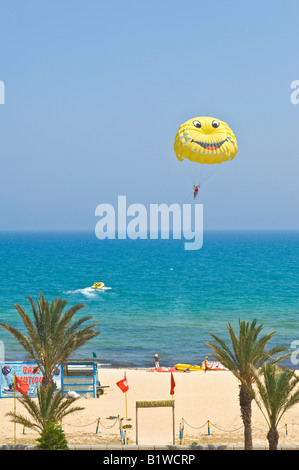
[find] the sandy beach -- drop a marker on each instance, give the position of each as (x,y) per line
(199,397)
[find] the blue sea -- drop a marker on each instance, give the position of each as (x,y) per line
(159,298)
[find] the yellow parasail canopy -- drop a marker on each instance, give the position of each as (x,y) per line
(205,140)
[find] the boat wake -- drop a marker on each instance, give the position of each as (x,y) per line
(88,291)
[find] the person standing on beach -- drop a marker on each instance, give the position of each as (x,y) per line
(157,361)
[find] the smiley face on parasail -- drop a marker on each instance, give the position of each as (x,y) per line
(205,140)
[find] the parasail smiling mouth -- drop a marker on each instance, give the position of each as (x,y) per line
(210,145)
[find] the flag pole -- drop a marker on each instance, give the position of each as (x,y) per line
(126,403)
(15,409)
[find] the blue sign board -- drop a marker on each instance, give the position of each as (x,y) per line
(25,371)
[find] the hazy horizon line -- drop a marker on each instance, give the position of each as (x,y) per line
(58,230)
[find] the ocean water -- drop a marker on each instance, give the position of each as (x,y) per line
(159,298)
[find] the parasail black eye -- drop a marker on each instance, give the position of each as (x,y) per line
(197,124)
(215,124)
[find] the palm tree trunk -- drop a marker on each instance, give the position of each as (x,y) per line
(47,382)
(273,437)
(245,406)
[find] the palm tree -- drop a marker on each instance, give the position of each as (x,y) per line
(50,409)
(246,353)
(53,335)
(277,394)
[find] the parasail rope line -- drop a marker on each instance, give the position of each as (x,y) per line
(188,197)
(208,176)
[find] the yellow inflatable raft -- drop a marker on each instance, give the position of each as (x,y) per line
(98,285)
(210,365)
(188,367)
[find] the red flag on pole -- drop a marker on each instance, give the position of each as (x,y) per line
(172,384)
(123,384)
(21,386)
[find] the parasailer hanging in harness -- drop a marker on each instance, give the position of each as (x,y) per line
(195,191)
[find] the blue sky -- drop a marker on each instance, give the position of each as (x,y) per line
(95,92)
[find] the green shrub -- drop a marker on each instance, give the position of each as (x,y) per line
(52,438)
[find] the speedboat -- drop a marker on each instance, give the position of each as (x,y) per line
(98,285)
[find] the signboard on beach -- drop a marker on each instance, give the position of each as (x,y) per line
(154,404)
(24,371)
